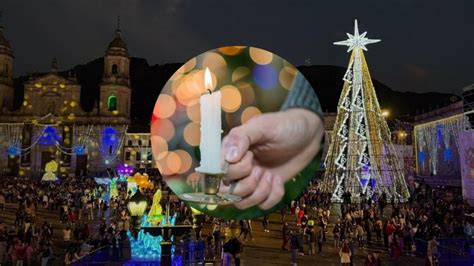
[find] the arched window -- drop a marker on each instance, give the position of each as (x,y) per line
(112,103)
(114,69)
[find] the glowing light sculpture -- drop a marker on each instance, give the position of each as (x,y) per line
(146,247)
(124,170)
(155,215)
(110,142)
(361,158)
(50,169)
(113,189)
(49,137)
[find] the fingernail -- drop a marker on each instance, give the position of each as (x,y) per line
(231,153)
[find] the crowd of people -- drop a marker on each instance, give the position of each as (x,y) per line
(62,230)
(53,222)
(429,215)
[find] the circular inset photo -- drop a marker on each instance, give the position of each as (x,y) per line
(237,132)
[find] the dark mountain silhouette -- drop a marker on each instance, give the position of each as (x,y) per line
(147,82)
(327,82)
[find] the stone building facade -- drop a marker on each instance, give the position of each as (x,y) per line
(51,125)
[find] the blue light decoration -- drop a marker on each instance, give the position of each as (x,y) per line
(365,177)
(421,156)
(13,150)
(439,133)
(110,140)
(265,76)
(79,149)
(448,154)
(147,248)
(49,137)
(373,183)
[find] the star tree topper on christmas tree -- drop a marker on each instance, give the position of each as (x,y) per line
(361,159)
(357,40)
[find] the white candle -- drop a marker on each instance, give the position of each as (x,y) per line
(211,130)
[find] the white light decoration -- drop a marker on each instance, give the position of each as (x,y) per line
(434,138)
(361,159)
(357,40)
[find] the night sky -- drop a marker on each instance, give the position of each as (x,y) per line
(427,45)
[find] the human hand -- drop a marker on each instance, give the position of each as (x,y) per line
(267,151)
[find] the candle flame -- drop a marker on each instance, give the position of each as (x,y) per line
(208,80)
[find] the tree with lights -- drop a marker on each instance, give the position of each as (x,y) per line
(361,160)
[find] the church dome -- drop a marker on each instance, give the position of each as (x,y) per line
(117,42)
(117,46)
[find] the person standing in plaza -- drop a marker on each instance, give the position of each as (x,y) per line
(336,232)
(244,229)
(360,234)
(294,247)
(311,236)
(234,247)
(67,236)
(216,235)
(320,239)
(300,215)
(285,235)
(368,229)
(345,254)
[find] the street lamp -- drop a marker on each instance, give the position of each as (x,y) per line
(137,205)
(402,136)
(385,113)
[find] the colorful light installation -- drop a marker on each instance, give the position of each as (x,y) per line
(113,189)
(13,150)
(49,137)
(146,247)
(50,169)
(109,139)
(448,154)
(437,144)
(125,169)
(79,150)
(155,215)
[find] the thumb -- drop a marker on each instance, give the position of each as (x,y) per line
(237,142)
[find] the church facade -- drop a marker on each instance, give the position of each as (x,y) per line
(50,124)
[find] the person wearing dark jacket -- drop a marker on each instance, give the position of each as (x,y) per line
(235,248)
(295,246)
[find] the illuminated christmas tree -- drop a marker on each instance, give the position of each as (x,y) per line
(361,159)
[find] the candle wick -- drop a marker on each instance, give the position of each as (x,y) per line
(210,92)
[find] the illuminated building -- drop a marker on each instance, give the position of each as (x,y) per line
(436,138)
(51,123)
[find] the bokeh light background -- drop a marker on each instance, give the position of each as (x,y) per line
(252,81)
